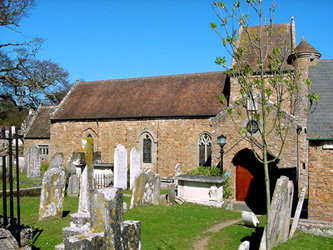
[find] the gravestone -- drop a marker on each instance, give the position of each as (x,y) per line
(52,194)
(171,193)
(87,175)
(56,160)
(73,188)
(7,240)
(146,189)
(281,206)
(32,162)
(107,229)
(297,212)
(70,164)
(134,165)
(178,171)
(120,167)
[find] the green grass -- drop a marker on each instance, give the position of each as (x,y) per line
(166,227)
(25,182)
(232,236)
(175,227)
(302,241)
(50,232)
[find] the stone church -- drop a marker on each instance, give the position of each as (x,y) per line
(177,119)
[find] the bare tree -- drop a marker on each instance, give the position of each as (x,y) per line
(267,84)
(24,80)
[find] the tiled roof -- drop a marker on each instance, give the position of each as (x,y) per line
(281,36)
(40,127)
(320,122)
(305,47)
(188,95)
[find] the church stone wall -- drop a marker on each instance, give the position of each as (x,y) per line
(320,182)
(229,126)
(176,139)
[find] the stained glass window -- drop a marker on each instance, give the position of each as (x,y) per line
(146,149)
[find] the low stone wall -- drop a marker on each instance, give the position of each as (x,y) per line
(30,192)
(315,227)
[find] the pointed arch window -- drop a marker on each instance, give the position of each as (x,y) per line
(205,149)
(147,149)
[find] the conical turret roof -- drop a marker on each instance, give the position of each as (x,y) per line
(305,49)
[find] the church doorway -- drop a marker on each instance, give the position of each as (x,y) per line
(250,182)
(243,182)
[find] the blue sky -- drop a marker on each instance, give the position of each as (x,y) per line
(102,39)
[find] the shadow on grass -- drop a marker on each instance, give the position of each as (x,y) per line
(65,213)
(36,233)
(255,238)
(167,246)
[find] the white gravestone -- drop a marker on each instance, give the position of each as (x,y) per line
(120,167)
(32,163)
(134,165)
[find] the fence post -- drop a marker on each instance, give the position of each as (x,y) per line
(11,181)
(4,191)
(17,177)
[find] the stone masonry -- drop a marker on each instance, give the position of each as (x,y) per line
(180,143)
(321,184)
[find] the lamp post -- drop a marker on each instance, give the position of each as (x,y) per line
(221,140)
(298,131)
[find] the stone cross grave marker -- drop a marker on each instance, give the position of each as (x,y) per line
(87,174)
(32,162)
(120,167)
(106,229)
(134,165)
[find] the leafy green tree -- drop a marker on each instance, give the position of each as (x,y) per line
(24,80)
(269,88)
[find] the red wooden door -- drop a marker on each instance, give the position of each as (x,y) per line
(243,181)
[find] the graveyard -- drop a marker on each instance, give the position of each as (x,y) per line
(165,227)
(151,217)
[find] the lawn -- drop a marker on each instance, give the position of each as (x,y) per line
(163,227)
(25,182)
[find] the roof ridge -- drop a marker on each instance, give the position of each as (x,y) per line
(153,77)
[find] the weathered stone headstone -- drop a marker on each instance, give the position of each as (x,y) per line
(7,240)
(56,160)
(280,213)
(87,175)
(120,167)
(107,228)
(73,186)
(134,165)
(52,194)
(298,212)
(171,193)
(146,189)
(32,162)
(70,163)
(178,171)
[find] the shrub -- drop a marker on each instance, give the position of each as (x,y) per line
(214,171)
